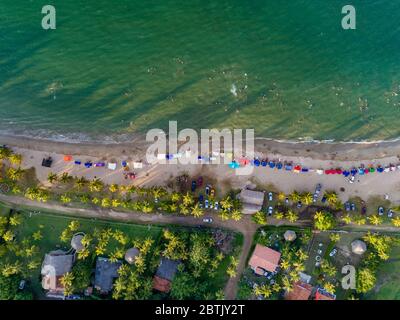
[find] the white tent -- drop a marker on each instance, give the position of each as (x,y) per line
(358,247)
(112,166)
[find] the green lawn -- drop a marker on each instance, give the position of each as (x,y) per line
(388,282)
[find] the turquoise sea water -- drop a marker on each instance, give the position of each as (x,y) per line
(117,67)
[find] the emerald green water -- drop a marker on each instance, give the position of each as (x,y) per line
(121,67)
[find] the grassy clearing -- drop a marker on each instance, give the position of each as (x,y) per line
(388,282)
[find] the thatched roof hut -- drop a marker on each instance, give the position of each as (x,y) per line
(358,247)
(131,254)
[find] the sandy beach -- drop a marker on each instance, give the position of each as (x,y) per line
(312,155)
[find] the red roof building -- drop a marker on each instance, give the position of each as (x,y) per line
(264,259)
(301,291)
(323,295)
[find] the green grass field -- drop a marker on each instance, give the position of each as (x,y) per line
(388,282)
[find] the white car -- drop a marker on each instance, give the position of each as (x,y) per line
(216,205)
(390,213)
(270,196)
(207,220)
(318,258)
(206,204)
(333,252)
(270,211)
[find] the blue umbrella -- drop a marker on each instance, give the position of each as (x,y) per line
(264,163)
(272,164)
(353,172)
(257,163)
(288,167)
(346,173)
(361,171)
(279,166)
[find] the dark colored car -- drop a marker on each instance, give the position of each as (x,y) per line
(194,186)
(347,206)
(200,181)
(364,210)
(323,199)
(353,207)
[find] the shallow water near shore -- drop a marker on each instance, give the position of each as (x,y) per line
(288,70)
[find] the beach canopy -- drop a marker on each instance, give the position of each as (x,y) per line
(47,162)
(124,164)
(305,170)
(288,167)
(346,173)
(78,162)
(234,165)
(279,166)
(112,166)
(137,165)
(88,164)
(264,163)
(257,163)
(320,171)
(380,169)
(99,164)
(272,164)
(67,158)
(353,172)
(372,170)
(297,169)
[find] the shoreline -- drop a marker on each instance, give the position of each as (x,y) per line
(316,150)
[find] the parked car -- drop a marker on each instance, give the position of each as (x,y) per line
(216,206)
(318,258)
(381,211)
(270,196)
(287,200)
(212,192)
(323,199)
(200,181)
(206,204)
(208,190)
(390,213)
(347,206)
(194,185)
(270,211)
(207,220)
(353,207)
(299,204)
(364,210)
(333,252)
(318,189)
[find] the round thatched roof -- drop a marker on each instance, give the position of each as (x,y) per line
(290,235)
(76,242)
(358,247)
(131,254)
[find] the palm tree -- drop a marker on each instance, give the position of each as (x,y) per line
(227,203)
(67,281)
(334,237)
(307,198)
(375,220)
(65,198)
(52,177)
(65,177)
(223,215)
(175,197)
(113,188)
(287,284)
(279,215)
(96,185)
(197,212)
(81,183)
(263,290)
(15,174)
(331,198)
(158,193)
(184,209)
(15,159)
(347,219)
(292,216)
(188,199)
(295,196)
(5,153)
(236,215)
(396,222)
(281,196)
